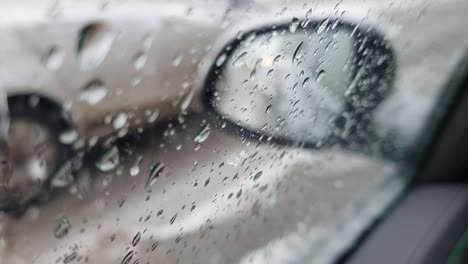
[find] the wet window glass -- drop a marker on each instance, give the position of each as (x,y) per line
(213,131)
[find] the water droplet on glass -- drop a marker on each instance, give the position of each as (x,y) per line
(268,109)
(177,60)
(135,81)
(294,24)
(152,116)
(109,160)
(62,227)
(221,59)
(257,175)
(270,73)
(202,134)
(53,58)
(186,100)
(323,25)
(305,82)
(120,120)
(239,60)
(207,182)
(253,75)
(320,75)
(298,52)
(155,172)
(93,92)
(136,239)
(135,169)
(94,43)
(128,257)
(68,137)
(63,176)
(139,61)
(173,219)
(147,41)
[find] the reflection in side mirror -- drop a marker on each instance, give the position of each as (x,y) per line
(317,83)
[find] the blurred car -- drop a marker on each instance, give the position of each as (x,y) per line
(89,80)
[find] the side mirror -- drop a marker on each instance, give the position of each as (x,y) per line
(312,82)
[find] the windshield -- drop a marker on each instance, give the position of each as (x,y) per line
(213,131)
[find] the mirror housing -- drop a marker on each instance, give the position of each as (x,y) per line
(312,83)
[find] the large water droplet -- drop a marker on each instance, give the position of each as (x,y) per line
(53,59)
(109,160)
(147,41)
(155,172)
(120,120)
(323,25)
(68,136)
(139,61)
(298,52)
(186,100)
(257,175)
(173,219)
(239,60)
(128,257)
(177,60)
(202,134)
(63,176)
(62,227)
(305,82)
(93,92)
(320,75)
(221,59)
(152,115)
(94,43)
(294,24)
(136,239)
(135,169)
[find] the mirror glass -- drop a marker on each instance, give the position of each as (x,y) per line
(304,82)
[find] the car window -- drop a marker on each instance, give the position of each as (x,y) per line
(213,131)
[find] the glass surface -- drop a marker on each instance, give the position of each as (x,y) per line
(111,153)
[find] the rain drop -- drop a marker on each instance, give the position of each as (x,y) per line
(155,172)
(63,176)
(177,60)
(139,61)
(239,60)
(109,160)
(136,239)
(173,219)
(186,100)
(68,137)
(62,227)
(202,134)
(298,52)
(320,75)
(268,109)
(323,25)
(94,43)
(294,24)
(93,92)
(147,41)
(128,257)
(135,169)
(305,82)
(221,59)
(257,175)
(53,58)
(119,121)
